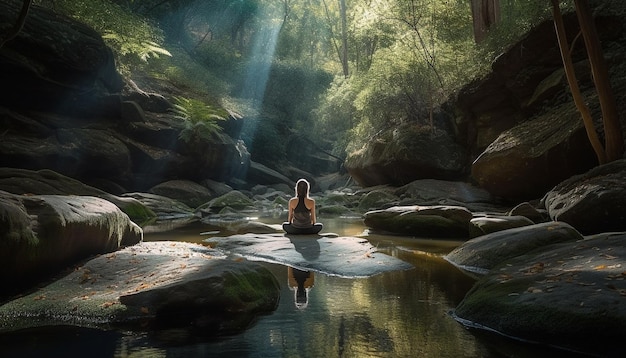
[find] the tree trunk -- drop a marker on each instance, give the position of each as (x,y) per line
(485,13)
(573,83)
(613,138)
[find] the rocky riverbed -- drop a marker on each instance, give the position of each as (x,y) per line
(539,278)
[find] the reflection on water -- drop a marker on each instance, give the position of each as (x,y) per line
(395,314)
(301,282)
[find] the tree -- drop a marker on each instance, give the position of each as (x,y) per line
(613,142)
(485,12)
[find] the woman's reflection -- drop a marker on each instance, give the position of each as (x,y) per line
(301,282)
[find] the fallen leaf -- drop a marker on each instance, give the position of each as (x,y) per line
(108,304)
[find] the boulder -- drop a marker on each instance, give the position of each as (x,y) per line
(484,253)
(22,181)
(570,295)
(529,211)
(527,160)
(185,191)
(260,174)
(487,224)
(152,286)
(377,199)
(233,199)
(421,221)
(593,202)
(170,213)
(43,233)
(406,154)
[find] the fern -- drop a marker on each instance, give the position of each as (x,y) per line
(201,120)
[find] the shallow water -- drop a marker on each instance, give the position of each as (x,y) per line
(395,314)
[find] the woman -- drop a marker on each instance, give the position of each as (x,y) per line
(301,218)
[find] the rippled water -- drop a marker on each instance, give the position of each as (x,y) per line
(396,314)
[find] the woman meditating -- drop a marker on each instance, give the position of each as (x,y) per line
(301,218)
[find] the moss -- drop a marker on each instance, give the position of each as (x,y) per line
(333,210)
(138,213)
(234,199)
(251,291)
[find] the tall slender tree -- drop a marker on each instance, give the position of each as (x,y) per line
(613,148)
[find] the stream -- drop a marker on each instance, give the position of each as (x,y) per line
(394,314)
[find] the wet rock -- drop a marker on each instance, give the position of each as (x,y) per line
(529,211)
(488,224)
(185,191)
(227,224)
(421,221)
(593,202)
(482,254)
(170,213)
(570,295)
(405,154)
(328,254)
(43,233)
(150,287)
(22,181)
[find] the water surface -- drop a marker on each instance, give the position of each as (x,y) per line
(394,314)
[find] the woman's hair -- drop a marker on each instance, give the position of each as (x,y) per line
(302,188)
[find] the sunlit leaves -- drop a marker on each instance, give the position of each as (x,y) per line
(143,49)
(130,36)
(201,120)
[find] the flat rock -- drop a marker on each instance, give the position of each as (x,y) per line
(152,286)
(337,256)
(482,254)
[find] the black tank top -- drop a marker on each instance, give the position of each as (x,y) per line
(301,215)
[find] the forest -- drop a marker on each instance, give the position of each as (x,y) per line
(338,72)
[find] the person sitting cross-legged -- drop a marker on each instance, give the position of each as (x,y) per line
(301,218)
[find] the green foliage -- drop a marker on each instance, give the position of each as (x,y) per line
(263,137)
(134,46)
(132,38)
(517,18)
(201,120)
(293,89)
(335,115)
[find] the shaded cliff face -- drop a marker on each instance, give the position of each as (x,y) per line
(64,107)
(520,122)
(55,63)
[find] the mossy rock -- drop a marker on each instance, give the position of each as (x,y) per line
(234,199)
(568,294)
(377,199)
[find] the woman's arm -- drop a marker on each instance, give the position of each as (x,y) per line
(313,219)
(290,210)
